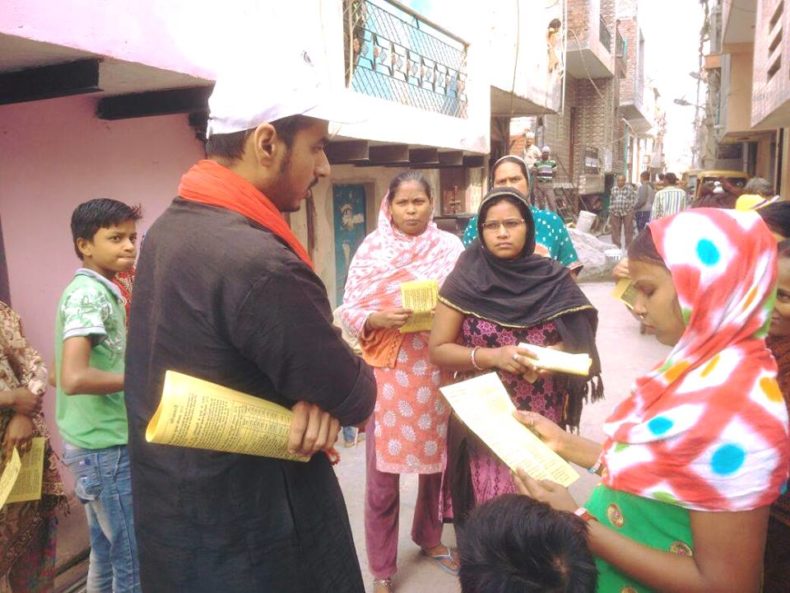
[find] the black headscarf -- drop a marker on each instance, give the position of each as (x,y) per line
(527,291)
(521,292)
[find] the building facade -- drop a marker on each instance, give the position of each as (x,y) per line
(747,112)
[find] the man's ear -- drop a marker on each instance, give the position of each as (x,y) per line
(265,144)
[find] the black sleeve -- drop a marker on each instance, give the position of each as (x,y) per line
(284,326)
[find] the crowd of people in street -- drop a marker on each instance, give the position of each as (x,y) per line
(693,468)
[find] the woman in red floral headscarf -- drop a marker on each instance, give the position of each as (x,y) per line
(699,451)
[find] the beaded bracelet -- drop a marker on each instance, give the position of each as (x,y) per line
(474,360)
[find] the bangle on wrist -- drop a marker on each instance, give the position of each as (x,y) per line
(584,514)
(596,467)
(473,359)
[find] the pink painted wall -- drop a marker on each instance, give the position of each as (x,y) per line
(55,154)
(190,36)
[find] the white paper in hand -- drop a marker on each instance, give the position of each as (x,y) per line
(484,405)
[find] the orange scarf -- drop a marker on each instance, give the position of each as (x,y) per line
(210,183)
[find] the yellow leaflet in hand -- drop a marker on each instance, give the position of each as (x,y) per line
(420,296)
(203,415)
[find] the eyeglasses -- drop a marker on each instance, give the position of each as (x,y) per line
(511,224)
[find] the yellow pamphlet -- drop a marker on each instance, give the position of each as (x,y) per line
(557,360)
(420,296)
(484,405)
(625,290)
(23,476)
(203,415)
(9,476)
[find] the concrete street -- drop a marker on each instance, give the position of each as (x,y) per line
(624,353)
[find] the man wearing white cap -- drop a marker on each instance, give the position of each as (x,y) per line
(545,168)
(225,292)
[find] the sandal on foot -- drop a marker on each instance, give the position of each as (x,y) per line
(382,586)
(448,561)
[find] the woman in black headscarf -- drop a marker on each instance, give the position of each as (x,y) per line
(499,295)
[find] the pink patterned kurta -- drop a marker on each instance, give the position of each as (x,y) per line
(410,415)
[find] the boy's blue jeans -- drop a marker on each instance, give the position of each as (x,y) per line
(103,484)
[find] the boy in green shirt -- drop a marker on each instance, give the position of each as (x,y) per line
(90,343)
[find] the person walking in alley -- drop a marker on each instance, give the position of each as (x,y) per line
(226,292)
(90,344)
(621,212)
(531,156)
(670,200)
(407,432)
(697,453)
(545,170)
(644,201)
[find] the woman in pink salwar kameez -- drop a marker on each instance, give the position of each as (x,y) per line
(407,432)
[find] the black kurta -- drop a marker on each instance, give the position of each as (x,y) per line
(218,297)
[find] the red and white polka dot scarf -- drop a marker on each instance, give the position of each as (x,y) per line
(707,428)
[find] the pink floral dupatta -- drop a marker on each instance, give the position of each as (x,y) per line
(386,258)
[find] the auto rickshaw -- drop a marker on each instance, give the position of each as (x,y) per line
(695,179)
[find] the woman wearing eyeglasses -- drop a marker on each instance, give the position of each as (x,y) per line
(499,294)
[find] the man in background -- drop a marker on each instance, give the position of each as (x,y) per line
(621,212)
(644,201)
(531,156)
(545,170)
(670,200)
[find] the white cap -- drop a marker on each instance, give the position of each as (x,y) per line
(288,85)
(545,149)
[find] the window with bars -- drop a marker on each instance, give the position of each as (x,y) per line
(394,54)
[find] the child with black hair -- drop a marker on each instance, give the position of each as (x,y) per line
(514,544)
(90,347)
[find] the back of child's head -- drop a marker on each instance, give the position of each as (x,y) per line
(100,213)
(514,544)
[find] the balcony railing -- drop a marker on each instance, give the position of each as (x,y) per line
(604,36)
(393,53)
(621,47)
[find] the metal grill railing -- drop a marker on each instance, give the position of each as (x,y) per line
(394,54)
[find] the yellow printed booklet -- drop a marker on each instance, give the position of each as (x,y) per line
(484,405)
(23,475)
(203,415)
(420,296)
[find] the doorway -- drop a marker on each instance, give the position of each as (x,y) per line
(350,222)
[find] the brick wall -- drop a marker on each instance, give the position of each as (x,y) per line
(629,30)
(557,133)
(578,18)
